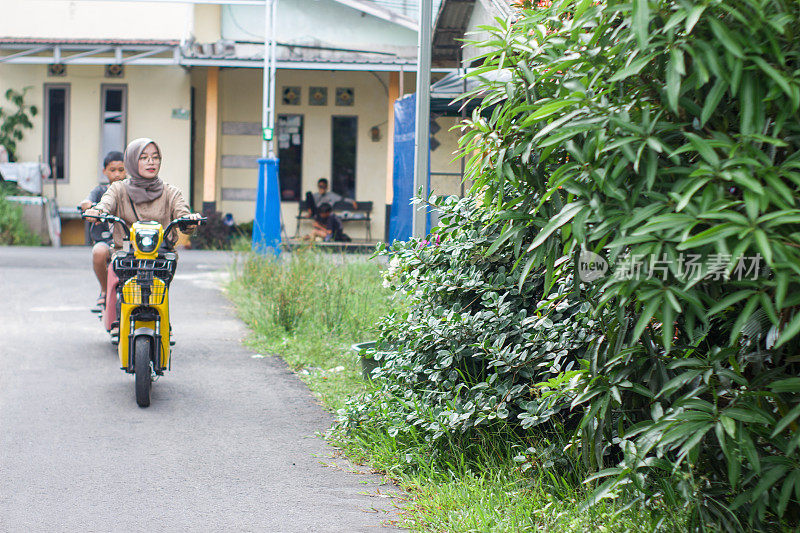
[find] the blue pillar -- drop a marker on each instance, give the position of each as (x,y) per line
(267,220)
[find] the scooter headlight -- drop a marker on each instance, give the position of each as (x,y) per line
(146,240)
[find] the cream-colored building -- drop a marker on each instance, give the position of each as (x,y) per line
(189,75)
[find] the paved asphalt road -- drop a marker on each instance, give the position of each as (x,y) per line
(229,442)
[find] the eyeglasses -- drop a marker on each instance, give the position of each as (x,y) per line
(154,159)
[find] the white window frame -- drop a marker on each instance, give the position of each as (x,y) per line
(103,88)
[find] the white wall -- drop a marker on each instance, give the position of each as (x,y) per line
(325,21)
(152,94)
(67,19)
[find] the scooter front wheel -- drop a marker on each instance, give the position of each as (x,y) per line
(141,368)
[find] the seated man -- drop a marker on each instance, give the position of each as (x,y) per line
(324,196)
(327,226)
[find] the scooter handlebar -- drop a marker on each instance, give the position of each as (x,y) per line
(184,222)
(105,217)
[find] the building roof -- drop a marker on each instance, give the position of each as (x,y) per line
(115,42)
(452,23)
(224,53)
(37,51)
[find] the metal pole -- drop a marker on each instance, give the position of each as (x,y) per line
(266,108)
(272,76)
(423,115)
(54,174)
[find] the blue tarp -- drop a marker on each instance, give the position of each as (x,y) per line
(403,169)
(267,222)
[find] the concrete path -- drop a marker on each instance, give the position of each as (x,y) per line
(230,443)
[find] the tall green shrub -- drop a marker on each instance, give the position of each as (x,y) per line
(663,137)
(655,133)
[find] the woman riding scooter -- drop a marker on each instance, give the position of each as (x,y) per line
(141,196)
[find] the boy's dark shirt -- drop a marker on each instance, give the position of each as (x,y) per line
(333,224)
(99,232)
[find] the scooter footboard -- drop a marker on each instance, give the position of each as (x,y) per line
(110,314)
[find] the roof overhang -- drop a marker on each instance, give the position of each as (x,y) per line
(171,53)
(361,65)
(89,52)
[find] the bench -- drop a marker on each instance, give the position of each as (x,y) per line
(344,210)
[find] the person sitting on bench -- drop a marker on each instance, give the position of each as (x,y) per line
(324,196)
(327,226)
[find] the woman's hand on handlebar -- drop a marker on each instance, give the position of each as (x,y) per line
(187,223)
(191,221)
(92,213)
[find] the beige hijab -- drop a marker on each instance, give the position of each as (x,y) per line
(141,189)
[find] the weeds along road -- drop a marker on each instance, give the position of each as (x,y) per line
(229,442)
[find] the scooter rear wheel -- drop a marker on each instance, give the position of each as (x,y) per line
(141,368)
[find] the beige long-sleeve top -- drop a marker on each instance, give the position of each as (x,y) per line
(164,209)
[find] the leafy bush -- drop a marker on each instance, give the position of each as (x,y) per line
(213,234)
(657,134)
(472,340)
(12,228)
(13,124)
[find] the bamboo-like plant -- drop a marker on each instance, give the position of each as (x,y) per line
(659,135)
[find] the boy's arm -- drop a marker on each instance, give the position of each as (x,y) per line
(350,200)
(94,197)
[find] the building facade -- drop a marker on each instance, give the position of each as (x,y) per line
(189,75)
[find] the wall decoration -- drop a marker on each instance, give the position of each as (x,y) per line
(57,70)
(291,96)
(345,96)
(318,96)
(115,71)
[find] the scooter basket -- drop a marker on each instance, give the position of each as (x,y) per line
(138,291)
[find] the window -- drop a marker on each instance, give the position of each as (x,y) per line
(56,129)
(343,168)
(290,153)
(113,119)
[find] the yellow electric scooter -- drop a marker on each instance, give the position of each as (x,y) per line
(139,279)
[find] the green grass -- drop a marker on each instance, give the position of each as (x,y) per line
(309,308)
(476,485)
